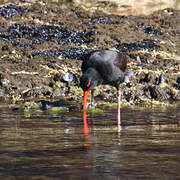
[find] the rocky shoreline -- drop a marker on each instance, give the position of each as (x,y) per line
(41,42)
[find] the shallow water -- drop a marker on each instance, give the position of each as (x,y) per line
(42,145)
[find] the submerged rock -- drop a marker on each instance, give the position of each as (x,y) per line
(61,104)
(48,104)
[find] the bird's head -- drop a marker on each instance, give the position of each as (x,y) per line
(86,83)
(90,79)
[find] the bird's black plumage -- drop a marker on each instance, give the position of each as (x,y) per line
(103,67)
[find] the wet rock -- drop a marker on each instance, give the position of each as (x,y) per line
(128,97)
(61,23)
(39,34)
(146,44)
(5,48)
(61,103)
(129,84)
(148,61)
(150,30)
(164,94)
(128,75)
(3,95)
(1,92)
(145,78)
(175,94)
(47,104)
(138,59)
(68,77)
(138,94)
(32,51)
(101,20)
(163,63)
(4,82)
(151,92)
(71,53)
(37,92)
(19,43)
(160,79)
(74,108)
(158,93)
(178,80)
(10,10)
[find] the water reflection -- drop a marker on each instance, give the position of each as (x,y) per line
(46,146)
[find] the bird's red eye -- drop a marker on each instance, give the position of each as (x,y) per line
(88,84)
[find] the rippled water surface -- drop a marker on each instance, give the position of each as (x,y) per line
(53,146)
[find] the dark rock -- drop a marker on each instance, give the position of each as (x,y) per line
(39,34)
(10,10)
(5,48)
(151,92)
(150,30)
(129,84)
(146,78)
(146,44)
(71,53)
(128,96)
(74,108)
(101,20)
(48,104)
(178,80)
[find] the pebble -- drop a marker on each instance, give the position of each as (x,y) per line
(68,77)
(161,79)
(178,80)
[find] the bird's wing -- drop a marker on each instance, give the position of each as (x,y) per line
(121,61)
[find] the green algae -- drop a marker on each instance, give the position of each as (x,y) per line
(95,110)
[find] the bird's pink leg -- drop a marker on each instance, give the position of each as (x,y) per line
(119,107)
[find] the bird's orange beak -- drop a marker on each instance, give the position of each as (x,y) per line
(89,84)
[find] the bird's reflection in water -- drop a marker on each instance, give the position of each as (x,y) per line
(86,130)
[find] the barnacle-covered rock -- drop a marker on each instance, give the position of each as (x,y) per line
(41,43)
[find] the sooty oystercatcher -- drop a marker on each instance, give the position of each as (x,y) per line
(103,67)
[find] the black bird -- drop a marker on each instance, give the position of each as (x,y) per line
(103,67)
